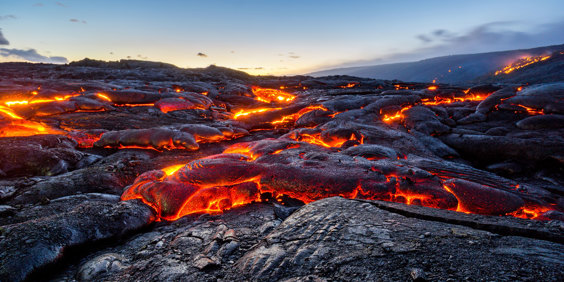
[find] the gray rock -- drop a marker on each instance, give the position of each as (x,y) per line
(417,274)
(6,210)
(101,266)
(541,121)
(87,223)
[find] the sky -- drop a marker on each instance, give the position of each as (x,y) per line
(272,36)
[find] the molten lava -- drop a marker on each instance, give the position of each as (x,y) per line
(237,177)
(9,113)
(296,116)
(397,116)
(400,87)
(136,105)
(532,111)
(26,128)
(18,126)
(531,212)
(521,63)
(443,100)
(245,113)
(349,85)
(269,95)
(170,170)
(281,167)
(103,97)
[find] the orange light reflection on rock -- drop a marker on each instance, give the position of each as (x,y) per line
(530,212)
(521,63)
(172,169)
(532,111)
(269,95)
(296,116)
(243,113)
(396,116)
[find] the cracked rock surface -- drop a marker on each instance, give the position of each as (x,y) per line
(330,239)
(275,178)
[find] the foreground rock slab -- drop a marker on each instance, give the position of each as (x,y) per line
(330,239)
(28,246)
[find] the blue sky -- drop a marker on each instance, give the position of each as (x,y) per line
(272,37)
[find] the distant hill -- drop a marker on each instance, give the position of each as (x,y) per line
(549,70)
(123,64)
(456,69)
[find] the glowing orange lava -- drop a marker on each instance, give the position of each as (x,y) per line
(532,111)
(244,113)
(135,105)
(399,87)
(20,128)
(241,148)
(104,97)
(349,85)
(269,95)
(441,100)
(396,116)
(296,116)
(531,212)
(459,207)
(521,63)
(9,113)
(172,169)
(316,139)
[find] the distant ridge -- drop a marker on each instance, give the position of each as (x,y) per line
(463,68)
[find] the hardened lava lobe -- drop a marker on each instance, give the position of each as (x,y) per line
(130,143)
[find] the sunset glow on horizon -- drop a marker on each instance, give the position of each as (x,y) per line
(271,37)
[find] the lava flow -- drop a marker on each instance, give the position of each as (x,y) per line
(294,117)
(521,63)
(14,125)
(245,171)
(315,148)
(269,95)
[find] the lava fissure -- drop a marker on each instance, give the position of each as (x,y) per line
(366,146)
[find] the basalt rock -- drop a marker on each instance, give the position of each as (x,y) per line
(39,155)
(480,199)
(237,172)
(43,241)
(158,138)
(540,122)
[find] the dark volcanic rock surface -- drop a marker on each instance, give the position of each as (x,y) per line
(36,243)
(331,239)
(271,153)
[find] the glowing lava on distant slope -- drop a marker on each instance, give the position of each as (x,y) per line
(521,63)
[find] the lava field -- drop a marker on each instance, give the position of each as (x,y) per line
(135,171)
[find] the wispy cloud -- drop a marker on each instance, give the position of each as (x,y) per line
(424,38)
(77,21)
(8,17)
(255,68)
(3,40)
(293,55)
(31,55)
(494,36)
(38,4)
